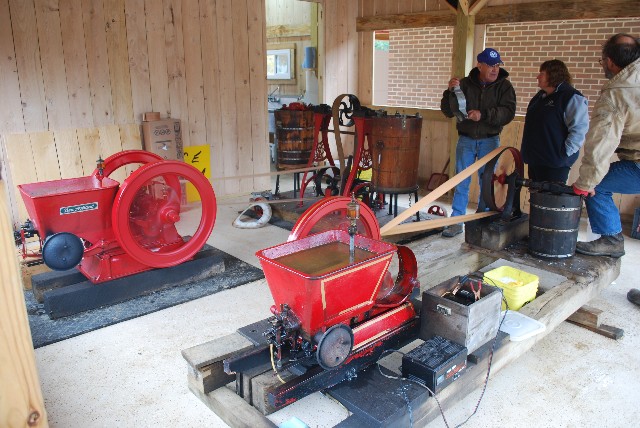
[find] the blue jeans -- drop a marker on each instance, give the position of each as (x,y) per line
(623,177)
(468,151)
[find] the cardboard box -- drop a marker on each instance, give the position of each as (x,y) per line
(162,136)
(471,326)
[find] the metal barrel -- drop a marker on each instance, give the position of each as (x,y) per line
(554,220)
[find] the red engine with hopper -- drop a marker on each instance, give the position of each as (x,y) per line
(337,307)
(112,230)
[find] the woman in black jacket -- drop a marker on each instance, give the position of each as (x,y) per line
(555,125)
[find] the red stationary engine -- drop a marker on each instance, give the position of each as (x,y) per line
(111,230)
(336,308)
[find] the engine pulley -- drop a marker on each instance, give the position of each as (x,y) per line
(334,346)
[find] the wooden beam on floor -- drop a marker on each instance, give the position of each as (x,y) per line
(589,317)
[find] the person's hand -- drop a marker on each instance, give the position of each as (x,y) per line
(454,82)
(580,192)
(474,115)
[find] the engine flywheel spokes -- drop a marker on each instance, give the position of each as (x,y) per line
(331,213)
(147,218)
(124,158)
(495,177)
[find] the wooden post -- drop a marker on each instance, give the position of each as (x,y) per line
(462,62)
(22,403)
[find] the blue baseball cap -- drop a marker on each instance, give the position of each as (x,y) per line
(490,57)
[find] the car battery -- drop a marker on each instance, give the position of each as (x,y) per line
(435,363)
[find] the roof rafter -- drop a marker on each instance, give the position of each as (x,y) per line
(519,12)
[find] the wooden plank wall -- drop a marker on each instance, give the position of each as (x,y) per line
(76,76)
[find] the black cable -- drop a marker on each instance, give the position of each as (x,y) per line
(389,351)
(486,380)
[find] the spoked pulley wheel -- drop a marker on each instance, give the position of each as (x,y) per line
(331,213)
(147,218)
(495,178)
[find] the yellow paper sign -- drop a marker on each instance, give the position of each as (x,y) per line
(199,157)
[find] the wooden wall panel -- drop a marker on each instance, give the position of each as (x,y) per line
(193,74)
(53,69)
(243,91)
(211,81)
(10,108)
(118,61)
(257,39)
(75,61)
(68,153)
(174,47)
(45,156)
(27,51)
(97,62)
(158,76)
(228,94)
(365,59)
(138,57)
(19,160)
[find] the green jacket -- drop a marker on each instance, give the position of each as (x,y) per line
(496,102)
(614,127)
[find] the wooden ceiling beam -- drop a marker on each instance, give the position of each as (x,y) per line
(477,6)
(439,18)
(558,10)
(520,12)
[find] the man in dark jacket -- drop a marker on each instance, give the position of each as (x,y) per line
(487,103)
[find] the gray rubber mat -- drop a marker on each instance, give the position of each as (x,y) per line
(45,330)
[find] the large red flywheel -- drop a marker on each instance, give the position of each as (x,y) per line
(146,216)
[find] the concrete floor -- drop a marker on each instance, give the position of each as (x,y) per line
(132,374)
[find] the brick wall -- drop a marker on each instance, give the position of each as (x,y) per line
(420,59)
(419,63)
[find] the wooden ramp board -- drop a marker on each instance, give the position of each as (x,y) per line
(583,279)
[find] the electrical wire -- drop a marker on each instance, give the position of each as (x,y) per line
(273,365)
(390,351)
(486,380)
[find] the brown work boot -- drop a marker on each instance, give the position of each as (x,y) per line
(606,245)
(634,296)
(453,230)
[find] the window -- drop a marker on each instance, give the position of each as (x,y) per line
(279,64)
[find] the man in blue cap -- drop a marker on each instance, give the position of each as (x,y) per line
(483,103)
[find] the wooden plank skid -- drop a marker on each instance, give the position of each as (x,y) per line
(232,409)
(589,317)
(206,371)
(586,315)
(85,295)
(585,277)
(605,330)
